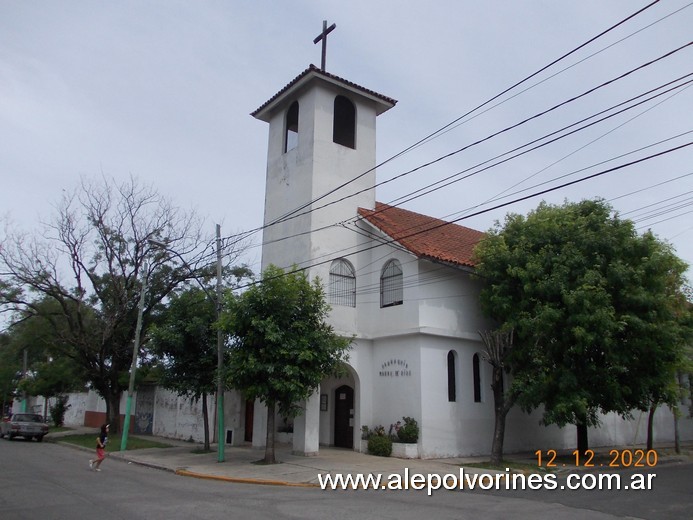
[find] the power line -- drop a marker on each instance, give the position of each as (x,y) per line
(507,129)
(246,234)
(455,177)
(456,120)
(520,199)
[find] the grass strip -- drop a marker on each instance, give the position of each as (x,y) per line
(134,443)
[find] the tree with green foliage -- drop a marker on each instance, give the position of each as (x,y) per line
(184,341)
(282,347)
(58,410)
(594,307)
(48,374)
(90,259)
(659,372)
(52,377)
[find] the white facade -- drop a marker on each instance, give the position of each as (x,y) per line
(399,363)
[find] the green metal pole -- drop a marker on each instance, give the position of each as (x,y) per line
(221,440)
(135,354)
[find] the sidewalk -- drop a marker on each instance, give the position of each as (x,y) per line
(240,464)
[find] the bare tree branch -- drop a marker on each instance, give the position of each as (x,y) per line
(89,260)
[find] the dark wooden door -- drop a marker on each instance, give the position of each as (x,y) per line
(344,417)
(249,415)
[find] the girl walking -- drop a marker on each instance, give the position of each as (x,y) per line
(101,441)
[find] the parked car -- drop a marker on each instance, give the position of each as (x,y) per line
(27,425)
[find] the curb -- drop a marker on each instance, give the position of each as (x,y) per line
(185,473)
(150,465)
(69,444)
(240,480)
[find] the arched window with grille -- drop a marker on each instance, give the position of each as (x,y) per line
(391,291)
(291,136)
(342,284)
(344,124)
(452,383)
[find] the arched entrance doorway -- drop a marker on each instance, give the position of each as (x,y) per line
(344,417)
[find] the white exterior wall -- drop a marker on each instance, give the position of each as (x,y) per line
(179,417)
(526,433)
(78,405)
(376,322)
(441,313)
(361,361)
(396,380)
(449,302)
(459,427)
(287,188)
(309,171)
(333,166)
(447,429)
(398,363)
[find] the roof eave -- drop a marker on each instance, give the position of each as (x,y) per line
(264,112)
(454,265)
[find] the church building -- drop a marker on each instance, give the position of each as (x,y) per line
(399,282)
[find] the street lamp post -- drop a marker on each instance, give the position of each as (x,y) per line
(135,354)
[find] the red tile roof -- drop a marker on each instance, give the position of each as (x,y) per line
(424,236)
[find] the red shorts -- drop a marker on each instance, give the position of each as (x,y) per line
(100,453)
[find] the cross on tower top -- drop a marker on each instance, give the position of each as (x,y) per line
(323,36)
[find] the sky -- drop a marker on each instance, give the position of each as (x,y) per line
(162,90)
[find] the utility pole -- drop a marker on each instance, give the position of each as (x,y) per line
(135,354)
(221,439)
(216,298)
(24,369)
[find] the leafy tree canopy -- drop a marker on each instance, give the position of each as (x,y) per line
(282,346)
(184,345)
(597,309)
(184,342)
(48,372)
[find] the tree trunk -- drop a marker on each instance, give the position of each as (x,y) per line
(113,411)
(269,446)
(501,409)
(205,419)
(677,435)
(650,425)
(497,344)
(582,440)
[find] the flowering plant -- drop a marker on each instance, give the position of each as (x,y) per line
(378,431)
(407,433)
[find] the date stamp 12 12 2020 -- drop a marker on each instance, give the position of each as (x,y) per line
(616,459)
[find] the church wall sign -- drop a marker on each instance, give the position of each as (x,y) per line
(395,368)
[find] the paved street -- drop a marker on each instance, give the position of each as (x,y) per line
(671,496)
(51,481)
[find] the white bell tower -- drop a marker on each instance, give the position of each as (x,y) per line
(320,168)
